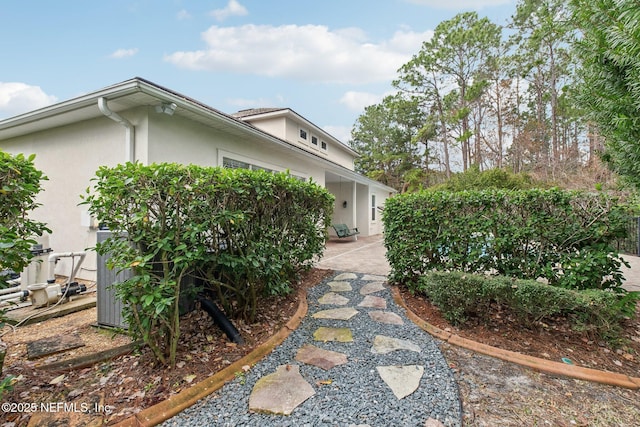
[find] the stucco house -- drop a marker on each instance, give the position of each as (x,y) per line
(137,120)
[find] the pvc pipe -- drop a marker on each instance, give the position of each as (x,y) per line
(129,137)
(15,295)
(9,290)
(54,257)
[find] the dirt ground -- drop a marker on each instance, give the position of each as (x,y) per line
(494,393)
(497,393)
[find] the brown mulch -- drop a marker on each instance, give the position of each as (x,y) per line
(552,340)
(125,385)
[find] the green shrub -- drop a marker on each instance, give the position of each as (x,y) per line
(246,233)
(20,183)
(461,296)
(565,237)
(474,179)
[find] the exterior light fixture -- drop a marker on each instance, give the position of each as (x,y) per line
(166,108)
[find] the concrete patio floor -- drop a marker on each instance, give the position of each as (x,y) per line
(364,255)
(367,255)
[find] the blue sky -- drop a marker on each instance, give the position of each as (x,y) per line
(327,60)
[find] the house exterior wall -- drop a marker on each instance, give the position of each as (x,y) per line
(69,156)
(341,215)
(176,139)
(375,224)
(288,129)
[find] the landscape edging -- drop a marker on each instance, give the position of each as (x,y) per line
(539,364)
(166,409)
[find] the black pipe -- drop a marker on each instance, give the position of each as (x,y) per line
(221,320)
(72,289)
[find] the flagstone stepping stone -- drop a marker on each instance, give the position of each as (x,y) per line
(372,287)
(402,380)
(383,344)
(345,276)
(386,317)
(340,286)
(373,278)
(325,359)
(371,301)
(333,299)
(281,392)
(333,334)
(344,313)
(51,345)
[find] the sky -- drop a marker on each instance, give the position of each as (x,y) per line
(325,59)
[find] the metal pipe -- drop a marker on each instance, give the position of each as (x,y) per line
(129,140)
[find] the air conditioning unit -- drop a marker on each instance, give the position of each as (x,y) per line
(109,306)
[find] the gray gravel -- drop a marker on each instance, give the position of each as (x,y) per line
(357,395)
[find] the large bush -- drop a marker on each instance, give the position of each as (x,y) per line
(19,186)
(247,234)
(461,296)
(563,236)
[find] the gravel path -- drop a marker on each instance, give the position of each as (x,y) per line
(352,394)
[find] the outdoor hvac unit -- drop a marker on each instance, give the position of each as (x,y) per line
(109,307)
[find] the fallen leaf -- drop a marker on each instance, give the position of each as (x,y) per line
(325,382)
(190,378)
(57,380)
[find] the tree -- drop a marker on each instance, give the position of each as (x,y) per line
(543,40)
(610,88)
(385,137)
(449,73)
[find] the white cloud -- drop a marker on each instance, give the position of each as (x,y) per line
(310,53)
(460,4)
(358,101)
(17,98)
(123,53)
(233,8)
(342,133)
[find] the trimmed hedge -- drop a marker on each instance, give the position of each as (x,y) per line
(461,295)
(563,236)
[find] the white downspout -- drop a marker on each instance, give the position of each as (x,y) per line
(129,129)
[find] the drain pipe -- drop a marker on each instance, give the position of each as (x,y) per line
(129,129)
(221,320)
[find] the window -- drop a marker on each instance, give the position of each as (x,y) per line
(323,145)
(238,164)
(314,140)
(373,207)
(234,164)
(303,134)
